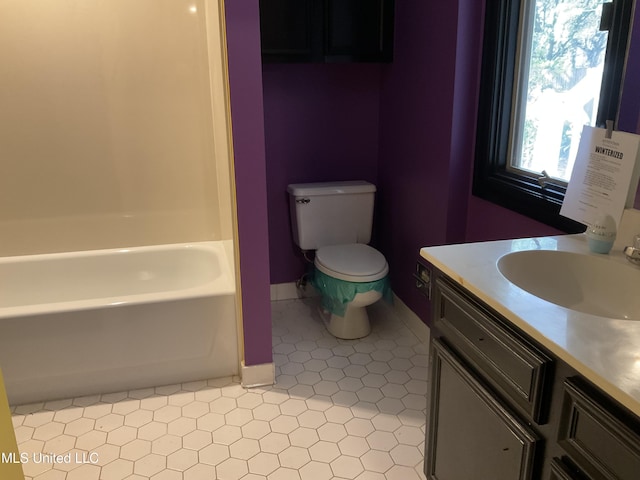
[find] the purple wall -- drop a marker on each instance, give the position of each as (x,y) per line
(245,78)
(629,117)
(465,99)
(321,124)
(423,187)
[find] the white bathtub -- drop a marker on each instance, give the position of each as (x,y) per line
(81,323)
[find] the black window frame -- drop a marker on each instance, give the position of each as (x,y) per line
(492,180)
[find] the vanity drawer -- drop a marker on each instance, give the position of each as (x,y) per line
(512,365)
(603,444)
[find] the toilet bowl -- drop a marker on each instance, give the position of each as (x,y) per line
(352,277)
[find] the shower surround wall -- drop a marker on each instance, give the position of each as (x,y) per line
(106,126)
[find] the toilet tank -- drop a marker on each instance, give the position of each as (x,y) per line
(331,213)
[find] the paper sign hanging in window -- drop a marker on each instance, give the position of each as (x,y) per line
(604,176)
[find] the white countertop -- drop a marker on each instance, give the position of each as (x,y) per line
(604,350)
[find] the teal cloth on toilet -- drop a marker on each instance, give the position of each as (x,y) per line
(336,293)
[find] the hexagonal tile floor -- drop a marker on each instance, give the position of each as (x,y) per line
(340,409)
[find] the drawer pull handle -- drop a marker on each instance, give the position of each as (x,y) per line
(481,339)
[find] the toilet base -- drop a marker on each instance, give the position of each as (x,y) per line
(355,322)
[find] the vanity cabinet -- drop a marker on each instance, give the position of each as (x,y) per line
(501,406)
(326,30)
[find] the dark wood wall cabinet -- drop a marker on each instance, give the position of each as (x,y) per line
(501,406)
(326,31)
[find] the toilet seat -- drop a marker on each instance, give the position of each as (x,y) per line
(355,262)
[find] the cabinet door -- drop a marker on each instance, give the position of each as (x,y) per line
(291,30)
(470,433)
(358,30)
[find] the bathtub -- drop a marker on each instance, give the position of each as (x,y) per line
(81,323)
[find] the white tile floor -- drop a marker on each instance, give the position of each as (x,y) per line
(340,409)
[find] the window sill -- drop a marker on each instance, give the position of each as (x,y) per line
(524,195)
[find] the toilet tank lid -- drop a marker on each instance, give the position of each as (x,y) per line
(330,188)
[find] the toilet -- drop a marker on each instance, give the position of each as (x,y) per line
(334,219)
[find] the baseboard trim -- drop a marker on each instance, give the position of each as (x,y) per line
(284,291)
(411,320)
(258,375)
(290,291)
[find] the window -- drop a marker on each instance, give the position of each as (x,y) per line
(548,68)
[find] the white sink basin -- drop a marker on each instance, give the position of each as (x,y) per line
(583,283)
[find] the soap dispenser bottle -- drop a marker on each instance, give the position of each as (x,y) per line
(601,234)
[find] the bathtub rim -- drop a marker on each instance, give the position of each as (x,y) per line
(223,285)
